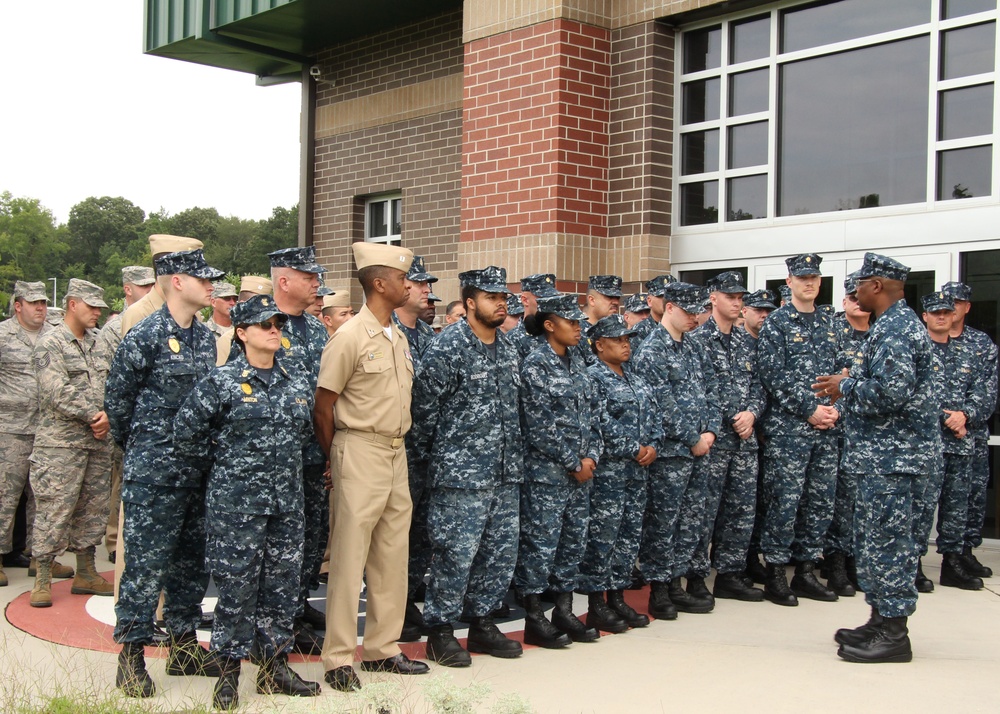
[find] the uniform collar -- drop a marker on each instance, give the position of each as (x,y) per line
(372,326)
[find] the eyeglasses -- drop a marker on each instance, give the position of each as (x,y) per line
(267,325)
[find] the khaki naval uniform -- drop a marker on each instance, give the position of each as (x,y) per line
(141,309)
(371,496)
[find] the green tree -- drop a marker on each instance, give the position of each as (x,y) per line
(96,223)
(31,245)
(200,223)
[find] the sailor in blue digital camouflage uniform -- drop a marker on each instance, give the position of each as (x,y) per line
(466,426)
(295,277)
(563,443)
(631,428)
(420,336)
(533,287)
(980,474)
(683,380)
(515,311)
(797,343)
(730,469)
(603,298)
(839,563)
(154,369)
(250,420)
(635,309)
(654,299)
(891,439)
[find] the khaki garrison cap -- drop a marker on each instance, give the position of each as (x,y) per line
(257,285)
(138,275)
(341,299)
(163,243)
(389,256)
(91,294)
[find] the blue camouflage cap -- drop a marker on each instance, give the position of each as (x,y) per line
(882,266)
(565,306)
(418,272)
(303,259)
(686,296)
(187,262)
(851,283)
(514,305)
(609,285)
(656,285)
(490,279)
(804,264)
(761,300)
(256,309)
(786,293)
(431,297)
(636,303)
(958,291)
(540,285)
(938,302)
(323,291)
(610,326)
(727,282)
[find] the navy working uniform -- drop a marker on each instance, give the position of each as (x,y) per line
(541,285)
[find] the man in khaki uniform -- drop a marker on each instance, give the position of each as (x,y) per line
(362,414)
(250,285)
(71,459)
(137,281)
(336,310)
(223,298)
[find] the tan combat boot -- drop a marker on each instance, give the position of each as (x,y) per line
(88,581)
(58,569)
(41,593)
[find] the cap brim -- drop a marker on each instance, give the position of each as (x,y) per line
(572,314)
(609,293)
(694,308)
(732,290)
(207,273)
(95,303)
(308,268)
(35,298)
(422,278)
(547,291)
(494,288)
(763,305)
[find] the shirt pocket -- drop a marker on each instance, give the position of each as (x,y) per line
(379,376)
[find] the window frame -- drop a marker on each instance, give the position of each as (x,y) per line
(388,198)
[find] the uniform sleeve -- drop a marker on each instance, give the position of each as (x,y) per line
(780,382)
(125,379)
(757,396)
(712,397)
(673,425)
(982,402)
(338,363)
(595,444)
(618,441)
(892,378)
(433,385)
(54,389)
(539,419)
(193,423)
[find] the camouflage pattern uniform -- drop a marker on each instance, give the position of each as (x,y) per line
(800,462)
(541,285)
(153,371)
(110,337)
(891,438)
(559,431)
(523,342)
(730,468)
(466,427)
(629,418)
(18,421)
(215,328)
(251,431)
(683,380)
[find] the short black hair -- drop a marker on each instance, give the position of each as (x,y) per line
(369,274)
(469,292)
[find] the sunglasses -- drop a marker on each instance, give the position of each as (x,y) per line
(269,325)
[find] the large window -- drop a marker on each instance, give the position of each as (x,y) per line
(836,106)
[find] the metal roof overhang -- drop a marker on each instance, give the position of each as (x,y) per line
(273,39)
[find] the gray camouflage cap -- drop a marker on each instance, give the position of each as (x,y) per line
(514,305)
(565,306)
(138,275)
(221,289)
(958,291)
(540,285)
(786,292)
(761,300)
(610,326)
(851,283)
(938,302)
(91,294)
(256,309)
(637,303)
(490,279)
(882,266)
(30,292)
(418,271)
(804,264)
(187,262)
(686,296)
(302,259)
(727,282)
(656,285)
(609,285)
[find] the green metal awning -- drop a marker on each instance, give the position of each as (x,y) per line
(270,38)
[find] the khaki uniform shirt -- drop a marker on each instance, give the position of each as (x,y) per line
(141,309)
(70,374)
(18,388)
(224,346)
(372,375)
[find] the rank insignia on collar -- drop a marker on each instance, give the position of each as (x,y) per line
(286,343)
(174,345)
(247,389)
(245,373)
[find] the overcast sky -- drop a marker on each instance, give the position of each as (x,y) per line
(86,113)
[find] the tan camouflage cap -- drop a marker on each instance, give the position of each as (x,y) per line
(88,292)
(138,275)
(257,285)
(30,292)
(221,289)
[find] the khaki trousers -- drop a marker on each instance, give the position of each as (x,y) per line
(111,529)
(370,539)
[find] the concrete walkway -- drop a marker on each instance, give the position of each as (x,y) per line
(742,657)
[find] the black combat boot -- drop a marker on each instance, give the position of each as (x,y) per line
(836,579)
(413,623)
(973,566)
(857,635)
(922,582)
(564,619)
(731,586)
(310,615)
(851,566)
(776,586)
(697,588)
(601,617)
(660,605)
(616,601)
(276,677)
(954,574)
(805,584)
(755,571)
(226,694)
(443,648)
(132,677)
(486,638)
(686,602)
(187,658)
(888,643)
(538,630)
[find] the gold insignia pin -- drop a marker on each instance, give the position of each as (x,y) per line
(247,389)
(174,345)
(809,259)
(286,343)
(264,302)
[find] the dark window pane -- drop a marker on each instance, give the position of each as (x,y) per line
(965,173)
(700,152)
(966,112)
(377,224)
(750,39)
(701,100)
(397,218)
(828,22)
(968,50)
(699,203)
(852,129)
(957,8)
(747,198)
(702,49)
(748,92)
(747,145)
